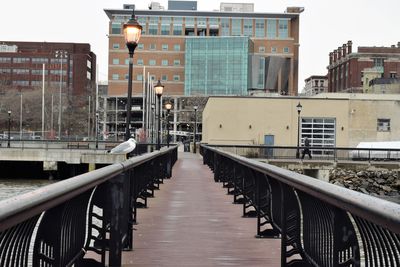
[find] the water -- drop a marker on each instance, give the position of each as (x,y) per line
(14,187)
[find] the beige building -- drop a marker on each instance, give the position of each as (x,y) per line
(341,120)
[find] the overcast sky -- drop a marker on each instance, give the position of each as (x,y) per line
(324,25)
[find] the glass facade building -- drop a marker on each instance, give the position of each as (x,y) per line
(216,66)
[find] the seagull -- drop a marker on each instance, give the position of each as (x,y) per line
(125,147)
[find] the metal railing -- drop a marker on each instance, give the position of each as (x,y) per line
(141,148)
(319,224)
(57,224)
(318,153)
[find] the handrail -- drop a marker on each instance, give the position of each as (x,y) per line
(324,224)
(372,208)
(115,189)
(16,209)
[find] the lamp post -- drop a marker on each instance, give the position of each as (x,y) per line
(132,32)
(60,54)
(168,106)
(97,129)
(159,91)
(195,128)
(299,107)
(9,128)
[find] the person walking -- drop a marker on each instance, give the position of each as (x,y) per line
(306,149)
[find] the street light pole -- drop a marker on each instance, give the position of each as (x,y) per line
(9,128)
(195,128)
(97,130)
(159,91)
(168,106)
(299,107)
(60,54)
(132,32)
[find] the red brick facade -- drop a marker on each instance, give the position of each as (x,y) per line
(346,68)
(22,68)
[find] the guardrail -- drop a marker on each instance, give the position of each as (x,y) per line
(320,224)
(141,148)
(318,153)
(57,224)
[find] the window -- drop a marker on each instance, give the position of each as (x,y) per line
(164,77)
(271,29)
(139,77)
(21,60)
(189,21)
(177,62)
(21,71)
(283,29)
(286,50)
(140,46)
(383,125)
(115,61)
(164,47)
(261,49)
(152,62)
(393,75)
(177,47)
(39,60)
(164,62)
(5,60)
(126,76)
(236,27)
(152,46)
(140,61)
(177,78)
(177,30)
(378,62)
(115,46)
(260,28)
(248,27)
(115,77)
(152,77)
(115,28)
(273,49)
(165,29)
(225,27)
(127,61)
(153,29)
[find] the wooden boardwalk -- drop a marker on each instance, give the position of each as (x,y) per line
(192,222)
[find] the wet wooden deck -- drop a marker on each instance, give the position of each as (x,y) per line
(192,222)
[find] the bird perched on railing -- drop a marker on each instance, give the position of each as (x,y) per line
(125,147)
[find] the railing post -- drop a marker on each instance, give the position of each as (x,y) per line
(119,218)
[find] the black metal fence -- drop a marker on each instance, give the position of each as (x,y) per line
(141,148)
(318,153)
(320,224)
(57,224)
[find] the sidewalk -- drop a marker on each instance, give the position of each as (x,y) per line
(192,222)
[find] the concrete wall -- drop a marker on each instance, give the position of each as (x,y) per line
(245,120)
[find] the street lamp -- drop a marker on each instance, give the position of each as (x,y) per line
(97,129)
(132,32)
(9,128)
(60,54)
(195,128)
(299,107)
(159,90)
(168,107)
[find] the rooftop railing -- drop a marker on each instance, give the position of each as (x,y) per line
(320,224)
(57,224)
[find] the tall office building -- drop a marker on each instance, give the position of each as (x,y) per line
(71,64)
(207,53)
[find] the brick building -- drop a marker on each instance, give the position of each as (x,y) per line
(187,50)
(72,64)
(315,84)
(350,71)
